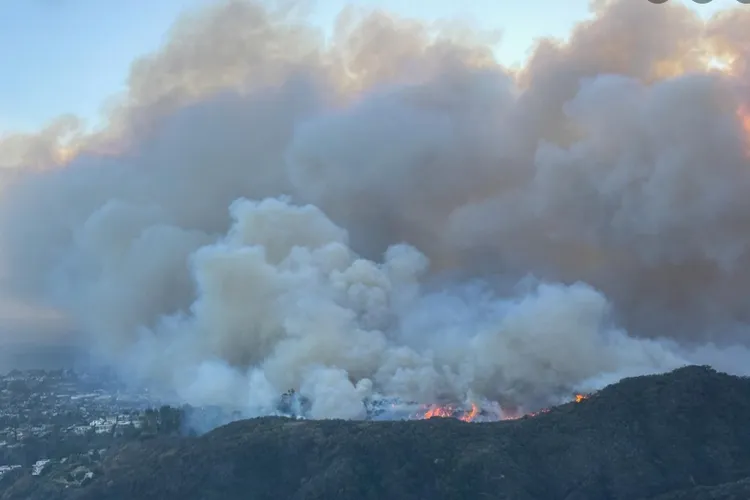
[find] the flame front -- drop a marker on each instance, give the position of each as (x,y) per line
(471,415)
(450,411)
(476,413)
(439,411)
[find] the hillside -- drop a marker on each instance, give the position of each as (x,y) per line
(667,437)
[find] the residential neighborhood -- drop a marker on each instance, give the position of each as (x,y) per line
(66,419)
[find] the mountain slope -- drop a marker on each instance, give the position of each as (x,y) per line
(682,433)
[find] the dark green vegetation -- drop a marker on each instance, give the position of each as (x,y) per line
(683,435)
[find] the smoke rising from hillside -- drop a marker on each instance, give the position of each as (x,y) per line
(395,213)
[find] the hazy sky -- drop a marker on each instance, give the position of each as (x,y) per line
(69,56)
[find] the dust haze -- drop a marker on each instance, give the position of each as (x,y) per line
(391,212)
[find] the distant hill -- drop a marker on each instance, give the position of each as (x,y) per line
(678,436)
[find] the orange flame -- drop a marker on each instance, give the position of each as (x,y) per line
(471,414)
(449,411)
(439,411)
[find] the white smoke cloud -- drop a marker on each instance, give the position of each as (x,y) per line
(397,215)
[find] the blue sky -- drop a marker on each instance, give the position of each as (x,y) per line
(69,56)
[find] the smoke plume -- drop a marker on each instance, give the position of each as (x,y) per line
(391,212)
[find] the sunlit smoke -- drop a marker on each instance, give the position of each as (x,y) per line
(394,216)
(743,113)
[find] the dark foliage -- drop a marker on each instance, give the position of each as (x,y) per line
(667,437)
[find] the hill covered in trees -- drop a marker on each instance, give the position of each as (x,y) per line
(682,435)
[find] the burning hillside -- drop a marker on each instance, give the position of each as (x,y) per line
(481,412)
(292,404)
(448,411)
(395,216)
(684,432)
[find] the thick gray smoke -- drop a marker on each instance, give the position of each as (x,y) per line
(393,213)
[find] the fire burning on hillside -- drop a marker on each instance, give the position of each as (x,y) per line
(481,413)
(448,411)
(292,404)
